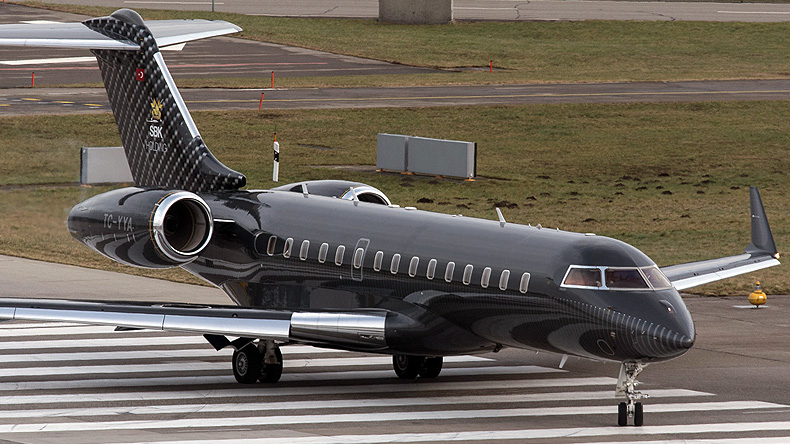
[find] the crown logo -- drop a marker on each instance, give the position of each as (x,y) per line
(156,110)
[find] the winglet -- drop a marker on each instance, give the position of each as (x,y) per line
(762,239)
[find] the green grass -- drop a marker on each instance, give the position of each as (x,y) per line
(671,179)
(522,52)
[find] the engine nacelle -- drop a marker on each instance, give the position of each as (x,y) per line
(148,228)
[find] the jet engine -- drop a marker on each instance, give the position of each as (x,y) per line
(150,228)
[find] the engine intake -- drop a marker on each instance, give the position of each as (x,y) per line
(144,227)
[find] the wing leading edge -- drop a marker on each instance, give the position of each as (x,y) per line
(761,253)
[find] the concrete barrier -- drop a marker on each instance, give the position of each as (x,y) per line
(416,12)
(105,164)
(423,155)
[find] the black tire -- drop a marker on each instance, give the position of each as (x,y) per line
(622,414)
(639,415)
(270,373)
(407,367)
(431,367)
(247,364)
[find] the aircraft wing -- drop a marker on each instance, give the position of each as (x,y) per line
(761,253)
(78,35)
(362,330)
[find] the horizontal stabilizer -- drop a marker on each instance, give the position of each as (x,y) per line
(78,35)
(761,253)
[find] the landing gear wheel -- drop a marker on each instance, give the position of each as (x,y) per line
(431,367)
(622,414)
(638,414)
(271,372)
(407,367)
(247,364)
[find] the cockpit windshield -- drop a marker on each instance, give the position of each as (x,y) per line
(615,278)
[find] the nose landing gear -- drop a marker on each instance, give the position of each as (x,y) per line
(626,386)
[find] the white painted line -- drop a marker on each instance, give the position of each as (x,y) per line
(499,435)
(118,356)
(259,421)
(68,330)
(754,12)
(206,366)
(40,22)
(303,406)
(22,326)
(51,61)
(301,377)
(280,391)
(130,2)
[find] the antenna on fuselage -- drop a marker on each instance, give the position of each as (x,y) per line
(502,221)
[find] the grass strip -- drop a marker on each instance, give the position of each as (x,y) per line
(671,179)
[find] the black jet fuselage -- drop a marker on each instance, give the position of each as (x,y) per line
(451,284)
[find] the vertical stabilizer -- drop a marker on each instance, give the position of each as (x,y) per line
(162,143)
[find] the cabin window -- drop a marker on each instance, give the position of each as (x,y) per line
(287,249)
(625,278)
(395,264)
(468,274)
(448,272)
(304,249)
(431,272)
(378,260)
(485,277)
(523,286)
(271,245)
(322,252)
(503,278)
(339,253)
(415,261)
(358,256)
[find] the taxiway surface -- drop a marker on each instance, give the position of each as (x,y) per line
(68,383)
(484,9)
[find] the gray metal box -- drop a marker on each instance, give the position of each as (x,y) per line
(441,157)
(105,164)
(391,152)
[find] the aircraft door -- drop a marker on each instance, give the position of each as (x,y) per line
(358,259)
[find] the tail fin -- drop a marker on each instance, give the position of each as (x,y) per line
(162,143)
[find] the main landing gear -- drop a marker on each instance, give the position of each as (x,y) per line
(409,367)
(626,386)
(258,362)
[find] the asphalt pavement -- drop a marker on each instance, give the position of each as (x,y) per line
(68,383)
(23,101)
(548,10)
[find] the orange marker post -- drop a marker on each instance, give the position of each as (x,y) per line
(260,105)
(33,80)
(491,62)
(272,79)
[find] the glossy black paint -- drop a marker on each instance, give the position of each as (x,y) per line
(432,316)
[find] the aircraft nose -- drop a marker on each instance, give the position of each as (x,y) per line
(659,342)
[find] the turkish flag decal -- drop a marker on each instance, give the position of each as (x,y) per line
(139,74)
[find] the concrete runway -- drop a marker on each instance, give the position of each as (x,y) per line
(24,101)
(484,9)
(65,383)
